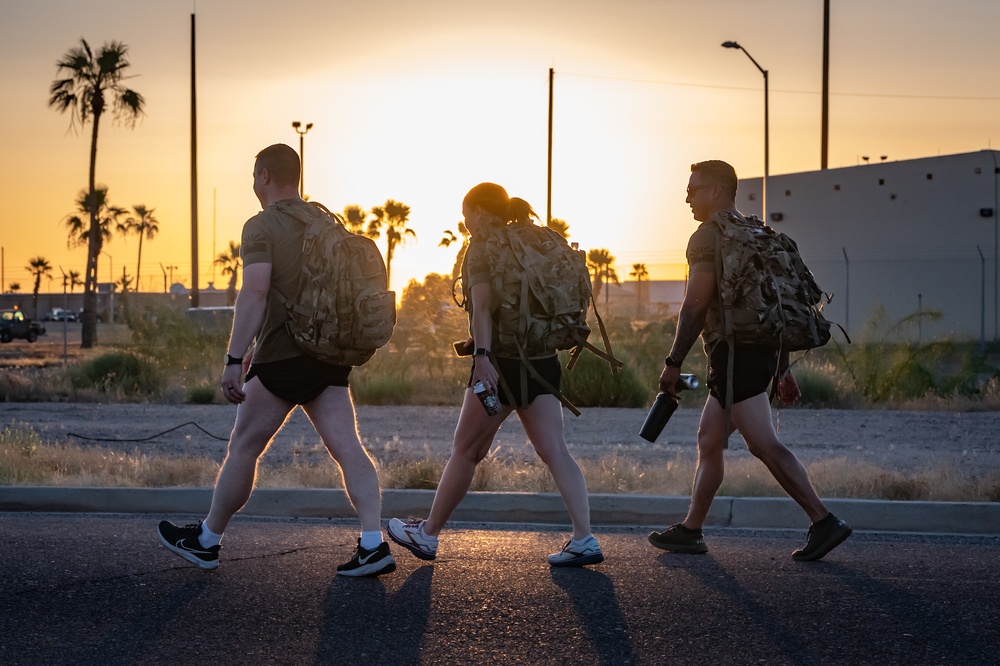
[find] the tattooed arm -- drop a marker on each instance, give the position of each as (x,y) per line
(694,309)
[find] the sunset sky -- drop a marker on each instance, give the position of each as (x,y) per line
(419,100)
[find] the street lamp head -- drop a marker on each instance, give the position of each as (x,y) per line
(731,45)
(309,127)
(296,124)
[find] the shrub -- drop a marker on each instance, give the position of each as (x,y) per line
(201,394)
(122,372)
(591,384)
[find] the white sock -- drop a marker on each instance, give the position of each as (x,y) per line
(208,538)
(371,540)
(580,542)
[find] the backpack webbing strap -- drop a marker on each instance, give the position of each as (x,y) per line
(526,369)
(608,355)
(727,320)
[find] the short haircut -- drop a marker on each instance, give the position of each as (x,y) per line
(718,172)
(282,162)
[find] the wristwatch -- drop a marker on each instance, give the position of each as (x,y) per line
(234,360)
(671,363)
(481,351)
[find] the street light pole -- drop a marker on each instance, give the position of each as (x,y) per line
(767,142)
(302,156)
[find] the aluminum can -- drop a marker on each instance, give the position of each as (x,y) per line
(490,400)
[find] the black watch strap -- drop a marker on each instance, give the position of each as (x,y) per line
(671,363)
(234,360)
(481,351)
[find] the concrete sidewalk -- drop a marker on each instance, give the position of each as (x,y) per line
(973,518)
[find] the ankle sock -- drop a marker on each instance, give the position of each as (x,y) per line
(208,538)
(580,542)
(371,540)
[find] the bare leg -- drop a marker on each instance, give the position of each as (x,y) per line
(257,419)
(543,423)
(711,466)
(473,438)
(753,419)
(333,416)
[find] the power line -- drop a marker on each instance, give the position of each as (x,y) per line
(789,92)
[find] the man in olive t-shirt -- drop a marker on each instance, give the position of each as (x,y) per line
(281,377)
(712,192)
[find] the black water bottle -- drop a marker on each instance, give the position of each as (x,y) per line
(663,408)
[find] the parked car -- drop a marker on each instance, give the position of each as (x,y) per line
(58,314)
(13,324)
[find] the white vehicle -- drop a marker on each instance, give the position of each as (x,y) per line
(58,314)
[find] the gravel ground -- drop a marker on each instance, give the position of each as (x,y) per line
(902,440)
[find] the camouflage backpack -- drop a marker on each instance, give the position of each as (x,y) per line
(769,297)
(342,311)
(541,294)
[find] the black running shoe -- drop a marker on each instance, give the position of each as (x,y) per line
(679,539)
(184,542)
(369,562)
(824,536)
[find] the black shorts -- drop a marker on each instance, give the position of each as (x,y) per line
(300,379)
(510,369)
(753,369)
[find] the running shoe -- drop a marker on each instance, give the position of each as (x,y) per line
(410,535)
(679,539)
(572,555)
(374,562)
(184,542)
(824,536)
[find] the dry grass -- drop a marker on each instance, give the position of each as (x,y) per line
(26,460)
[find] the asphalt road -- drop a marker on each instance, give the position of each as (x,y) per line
(99,588)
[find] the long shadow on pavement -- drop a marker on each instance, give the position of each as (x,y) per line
(363,624)
(593,596)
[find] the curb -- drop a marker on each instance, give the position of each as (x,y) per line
(974,518)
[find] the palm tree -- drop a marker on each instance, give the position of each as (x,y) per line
(393,216)
(143,225)
(39,267)
(92,77)
(355,218)
(559,226)
(600,262)
(449,238)
(231,264)
(640,273)
(107,216)
(74,280)
(15,287)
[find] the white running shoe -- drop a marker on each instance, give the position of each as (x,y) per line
(409,535)
(578,555)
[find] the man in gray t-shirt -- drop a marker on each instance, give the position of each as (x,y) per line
(272,256)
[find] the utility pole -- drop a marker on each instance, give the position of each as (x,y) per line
(194,178)
(825,145)
(548,206)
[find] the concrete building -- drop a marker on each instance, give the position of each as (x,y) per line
(909,236)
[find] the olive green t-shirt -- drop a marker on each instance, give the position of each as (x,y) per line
(700,254)
(274,236)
